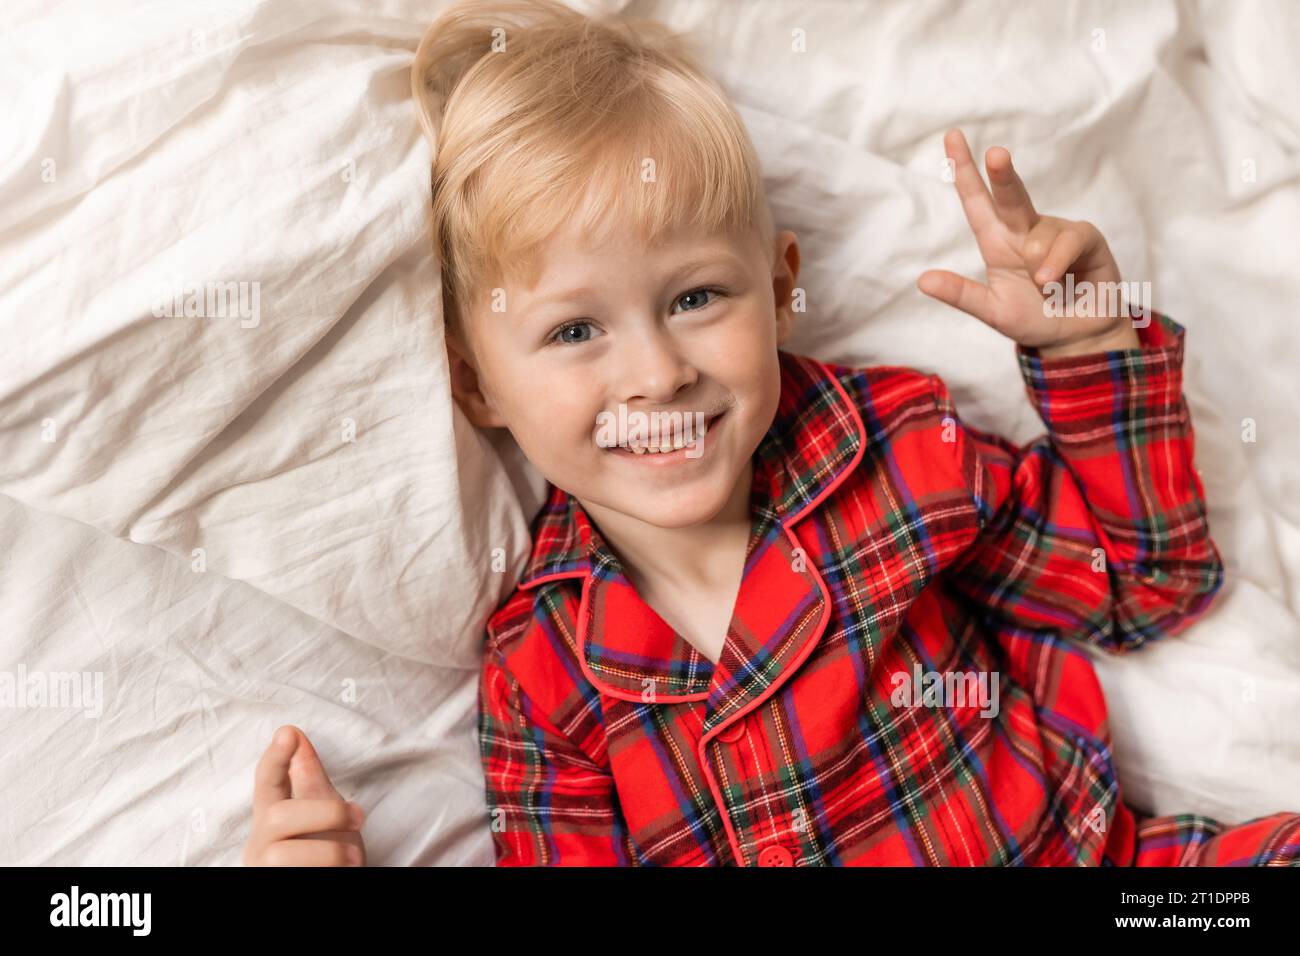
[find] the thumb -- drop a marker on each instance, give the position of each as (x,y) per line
(958,292)
(271,777)
(307,774)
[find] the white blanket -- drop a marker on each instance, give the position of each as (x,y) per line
(276,515)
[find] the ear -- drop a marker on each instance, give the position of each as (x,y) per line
(466,384)
(785,276)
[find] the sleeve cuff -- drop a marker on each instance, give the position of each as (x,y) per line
(1077,395)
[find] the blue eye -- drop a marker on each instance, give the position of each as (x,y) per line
(559,339)
(696,293)
(561,335)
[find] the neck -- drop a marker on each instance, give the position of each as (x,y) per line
(684,557)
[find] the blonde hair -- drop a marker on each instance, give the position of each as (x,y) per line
(539,114)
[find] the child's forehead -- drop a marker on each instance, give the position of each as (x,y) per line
(569,252)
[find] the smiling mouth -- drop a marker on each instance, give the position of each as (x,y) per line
(694,444)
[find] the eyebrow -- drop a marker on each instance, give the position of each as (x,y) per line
(694,264)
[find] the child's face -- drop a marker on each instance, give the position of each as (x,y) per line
(689,325)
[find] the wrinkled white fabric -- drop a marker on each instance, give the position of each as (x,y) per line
(345,516)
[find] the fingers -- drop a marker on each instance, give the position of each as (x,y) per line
(1057,244)
(1066,249)
(294,818)
(308,853)
(271,777)
(293,800)
(1010,198)
(976,201)
(307,774)
(958,292)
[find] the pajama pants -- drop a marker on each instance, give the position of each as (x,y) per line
(1186,839)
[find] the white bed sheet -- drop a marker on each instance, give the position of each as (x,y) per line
(274,142)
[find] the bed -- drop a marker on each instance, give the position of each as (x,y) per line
(273,513)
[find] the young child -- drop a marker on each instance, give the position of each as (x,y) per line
(840,626)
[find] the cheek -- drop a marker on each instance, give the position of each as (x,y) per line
(759,385)
(752,359)
(549,421)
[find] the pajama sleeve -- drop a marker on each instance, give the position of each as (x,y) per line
(548,803)
(1097,530)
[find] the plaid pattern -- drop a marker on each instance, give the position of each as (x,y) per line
(889,541)
(1189,840)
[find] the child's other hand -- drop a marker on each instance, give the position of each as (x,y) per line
(1024,251)
(299,819)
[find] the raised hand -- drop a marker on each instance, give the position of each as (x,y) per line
(1023,252)
(299,818)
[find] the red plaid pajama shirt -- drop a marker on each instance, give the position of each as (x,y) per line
(889,542)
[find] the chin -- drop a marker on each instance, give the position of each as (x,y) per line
(680,508)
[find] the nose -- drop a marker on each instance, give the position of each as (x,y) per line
(653,370)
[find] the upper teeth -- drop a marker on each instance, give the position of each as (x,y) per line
(666,444)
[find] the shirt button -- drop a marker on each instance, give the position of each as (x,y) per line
(733,732)
(775,856)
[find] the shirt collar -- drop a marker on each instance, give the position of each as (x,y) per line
(815,438)
(627,650)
